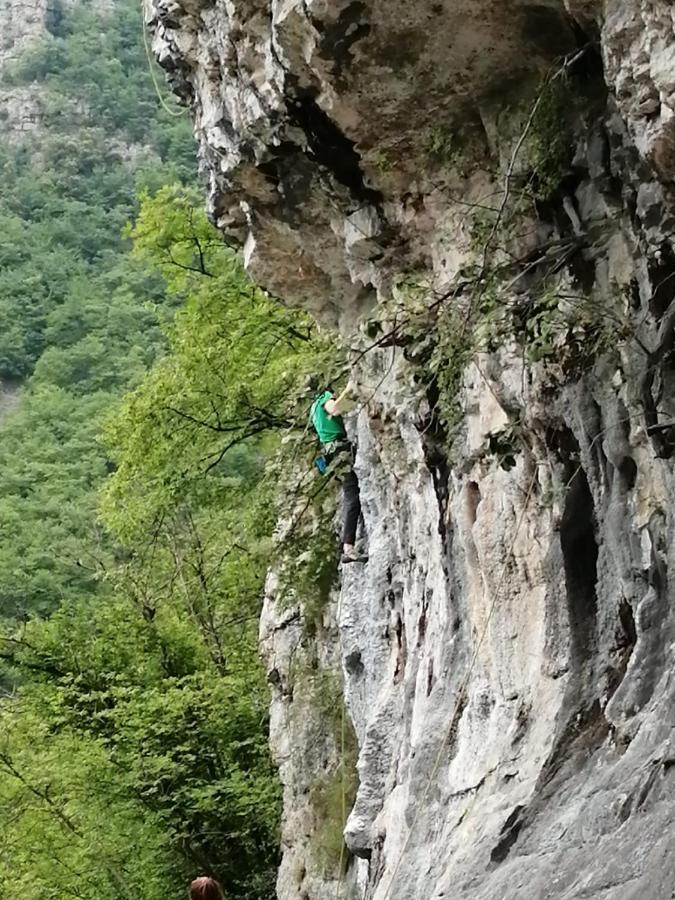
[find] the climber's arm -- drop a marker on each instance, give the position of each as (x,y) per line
(334,406)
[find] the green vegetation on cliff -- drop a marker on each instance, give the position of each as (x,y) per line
(136,496)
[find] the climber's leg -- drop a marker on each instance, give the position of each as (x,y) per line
(351,510)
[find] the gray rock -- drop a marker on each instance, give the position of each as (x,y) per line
(507,650)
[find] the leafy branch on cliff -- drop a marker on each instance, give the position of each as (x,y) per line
(238,361)
(162,680)
(528,300)
(134,706)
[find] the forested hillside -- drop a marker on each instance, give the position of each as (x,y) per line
(77,313)
(479,196)
(135,527)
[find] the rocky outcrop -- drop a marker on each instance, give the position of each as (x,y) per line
(324,128)
(639,43)
(515,704)
(304,675)
(487,186)
(24,24)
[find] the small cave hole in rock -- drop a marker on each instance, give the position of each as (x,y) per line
(473,498)
(510,829)
(625,637)
(580,559)
(628,472)
(422,621)
(588,66)
(546,26)
(662,278)
(354,663)
(402,651)
(430,677)
(329,146)
(627,620)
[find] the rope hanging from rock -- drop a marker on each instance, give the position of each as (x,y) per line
(176,113)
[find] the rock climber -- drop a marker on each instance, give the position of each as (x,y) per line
(326,417)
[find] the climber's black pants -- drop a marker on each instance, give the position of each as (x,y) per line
(351,507)
(340,455)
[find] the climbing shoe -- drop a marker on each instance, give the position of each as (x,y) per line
(353,556)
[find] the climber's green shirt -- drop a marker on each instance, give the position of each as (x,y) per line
(329,429)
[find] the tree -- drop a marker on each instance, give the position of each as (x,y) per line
(133,721)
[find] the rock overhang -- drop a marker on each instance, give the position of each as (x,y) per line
(320,124)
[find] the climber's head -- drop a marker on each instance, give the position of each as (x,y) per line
(205,888)
(313,385)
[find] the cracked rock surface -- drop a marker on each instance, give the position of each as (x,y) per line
(316,122)
(507,651)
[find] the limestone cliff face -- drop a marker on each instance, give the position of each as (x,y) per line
(490,186)
(22,24)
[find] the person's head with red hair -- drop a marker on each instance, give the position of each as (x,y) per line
(205,888)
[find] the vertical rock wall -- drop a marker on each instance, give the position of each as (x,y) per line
(506,651)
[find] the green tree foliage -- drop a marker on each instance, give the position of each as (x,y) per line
(133,727)
(237,363)
(149,666)
(79,315)
(62,838)
(102,340)
(70,189)
(166,721)
(192,501)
